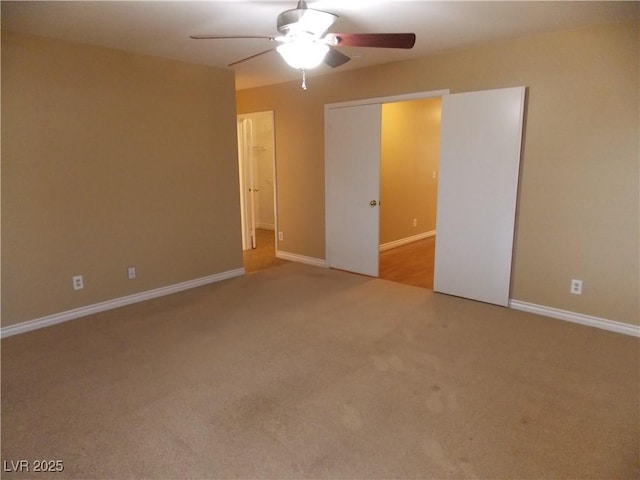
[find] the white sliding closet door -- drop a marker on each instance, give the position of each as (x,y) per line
(352,171)
(479,163)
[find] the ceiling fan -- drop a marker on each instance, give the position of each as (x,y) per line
(305,41)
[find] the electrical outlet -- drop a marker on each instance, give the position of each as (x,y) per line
(78,282)
(576,287)
(131,273)
(415,222)
(280,236)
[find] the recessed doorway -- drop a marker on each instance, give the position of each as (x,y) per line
(257,170)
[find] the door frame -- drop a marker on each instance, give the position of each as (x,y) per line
(245,169)
(353,103)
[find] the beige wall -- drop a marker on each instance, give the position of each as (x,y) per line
(111,159)
(410,148)
(578,211)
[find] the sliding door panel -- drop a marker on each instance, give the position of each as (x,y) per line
(479,163)
(352,176)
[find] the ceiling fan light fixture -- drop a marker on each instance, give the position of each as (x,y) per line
(303,54)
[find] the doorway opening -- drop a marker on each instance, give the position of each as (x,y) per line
(410,149)
(256,162)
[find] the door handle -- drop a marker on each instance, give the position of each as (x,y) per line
(373,203)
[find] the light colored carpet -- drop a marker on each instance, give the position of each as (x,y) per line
(304,372)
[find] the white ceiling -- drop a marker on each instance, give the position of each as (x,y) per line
(162,28)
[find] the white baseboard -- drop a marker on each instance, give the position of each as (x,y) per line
(294,257)
(407,240)
(574,317)
(115,303)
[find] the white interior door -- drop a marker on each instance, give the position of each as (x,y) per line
(481,136)
(352,179)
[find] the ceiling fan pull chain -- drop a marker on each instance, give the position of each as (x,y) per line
(304,79)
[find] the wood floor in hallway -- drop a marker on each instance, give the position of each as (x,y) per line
(411,264)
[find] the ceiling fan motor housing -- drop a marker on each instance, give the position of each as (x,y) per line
(305,20)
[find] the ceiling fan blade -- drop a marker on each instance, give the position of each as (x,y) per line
(215,37)
(249,58)
(384,40)
(334,58)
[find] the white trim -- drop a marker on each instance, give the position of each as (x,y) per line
(115,303)
(390,99)
(294,257)
(406,240)
(574,317)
